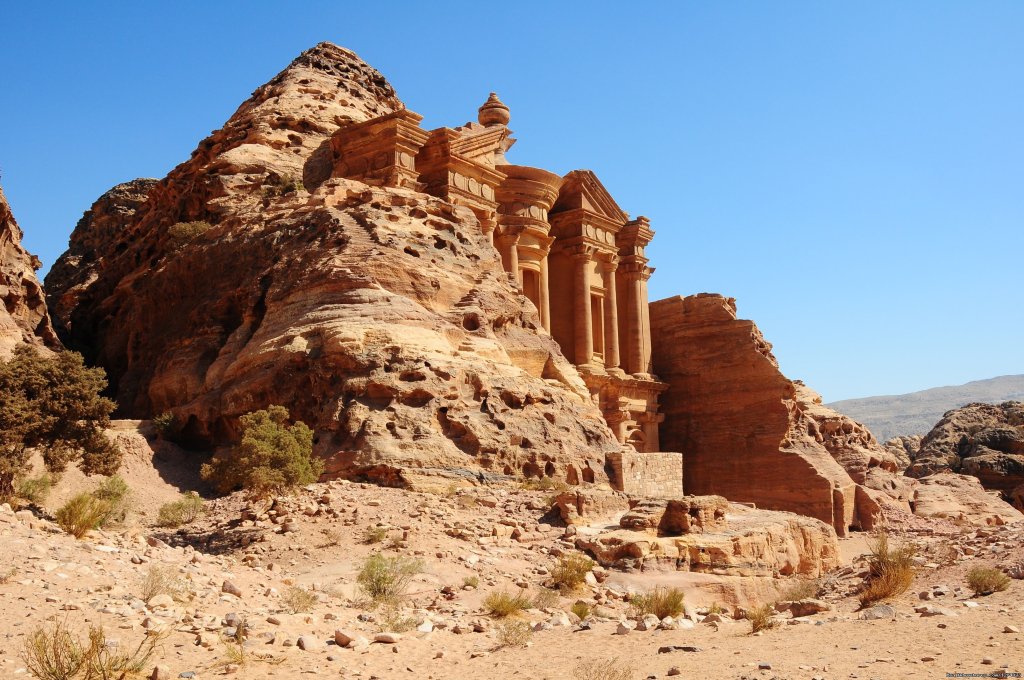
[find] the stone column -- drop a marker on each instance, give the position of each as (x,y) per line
(611,316)
(581,309)
(645,323)
(634,321)
(545,298)
(513,260)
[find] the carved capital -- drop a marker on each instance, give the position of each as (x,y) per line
(610,264)
(582,253)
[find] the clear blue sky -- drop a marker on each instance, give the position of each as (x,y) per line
(853,173)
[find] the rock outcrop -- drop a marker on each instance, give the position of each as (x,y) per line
(95,237)
(746,431)
(380,316)
(982,440)
(23,317)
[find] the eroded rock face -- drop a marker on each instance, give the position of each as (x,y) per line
(23,317)
(744,542)
(746,431)
(96,236)
(904,448)
(379,316)
(960,497)
(982,440)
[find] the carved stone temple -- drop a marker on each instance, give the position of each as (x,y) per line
(572,250)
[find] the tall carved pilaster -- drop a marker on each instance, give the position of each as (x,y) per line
(635,318)
(545,295)
(584,324)
(611,315)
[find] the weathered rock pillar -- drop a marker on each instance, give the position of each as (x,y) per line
(611,316)
(581,308)
(545,297)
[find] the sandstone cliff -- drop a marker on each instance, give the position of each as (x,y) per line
(381,317)
(750,434)
(23,317)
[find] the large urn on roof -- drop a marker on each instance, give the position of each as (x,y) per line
(494,112)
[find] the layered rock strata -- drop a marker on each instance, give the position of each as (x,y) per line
(23,316)
(379,315)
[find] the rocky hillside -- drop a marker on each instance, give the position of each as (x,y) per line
(982,440)
(916,413)
(23,317)
(381,317)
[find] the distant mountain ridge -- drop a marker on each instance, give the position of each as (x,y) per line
(917,412)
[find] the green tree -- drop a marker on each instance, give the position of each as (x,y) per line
(271,457)
(52,403)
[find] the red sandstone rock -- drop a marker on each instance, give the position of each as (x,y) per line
(379,315)
(23,317)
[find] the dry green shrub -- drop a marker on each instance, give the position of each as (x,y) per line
(801,590)
(544,599)
(543,484)
(471,581)
(581,609)
(385,580)
(183,233)
(514,634)
(987,580)
(163,581)
(374,535)
(271,458)
(604,669)
(185,510)
(115,493)
(82,514)
(34,489)
(762,618)
(165,424)
(571,571)
(52,404)
(392,620)
(661,602)
(505,604)
(716,608)
(891,570)
(8,575)
(56,654)
(298,600)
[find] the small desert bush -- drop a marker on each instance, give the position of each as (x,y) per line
(298,600)
(281,186)
(385,580)
(605,669)
(581,609)
(392,620)
(82,514)
(505,604)
(332,537)
(987,580)
(661,602)
(34,489)
(56,654)
(715,608)
(115,493)
(571,571)
(163,581)
(471,581)
(543,484)
(762,618)
(8,574)
(185,510)
(183,233)
(514,634)
(374,535)
(544,599)
(891,571)
(801,590)
(164,424)
(271,458)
